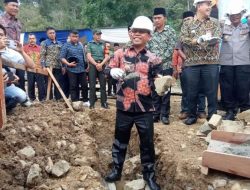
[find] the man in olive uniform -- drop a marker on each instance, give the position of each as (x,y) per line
(200,38)
(97,59)
(235,67)
(162,44)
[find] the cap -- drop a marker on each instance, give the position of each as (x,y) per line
(160,11)
(187,14)
(97,31)
(9,1)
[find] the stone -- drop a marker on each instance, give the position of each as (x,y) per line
(12,131)
(49,166)
(45,125)
(208,138)
(81,189)
(215,121)
(78,106)
(135,185)
(111,186)
(27,152)
(34,172)
(210,187)
(61,144)
(23,130)
(23,163)
(236,186)
(219,183)
(60,168)
(205,128)
(244,116)
(72,147)
(43,187)
(64,187)
(183,146)
(36,128)
(19,188)
(131,164)
(81,161)
(232,126)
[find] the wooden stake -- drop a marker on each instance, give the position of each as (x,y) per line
(59,89)
(2,99)
(49,83)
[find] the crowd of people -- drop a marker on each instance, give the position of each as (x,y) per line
(208,54)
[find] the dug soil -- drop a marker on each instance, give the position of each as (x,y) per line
(84,139)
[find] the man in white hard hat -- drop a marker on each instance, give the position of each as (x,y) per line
(200,38)
(235,62)
(135,69)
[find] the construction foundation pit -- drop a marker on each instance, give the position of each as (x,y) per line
(48,147)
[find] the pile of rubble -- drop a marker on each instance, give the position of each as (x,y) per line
(242,125)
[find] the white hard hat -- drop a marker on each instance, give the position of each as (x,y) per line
(143,22)
(235,8)
(199,1)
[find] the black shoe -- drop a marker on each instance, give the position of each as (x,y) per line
(152,184)
(105,106)
(190,120)
(229,116)
(114,175)
(165,120)
(91,107)
(156,119)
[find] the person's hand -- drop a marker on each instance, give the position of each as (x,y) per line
(99,67)
(179,69)
(5,77)
(63,71)
(19,47)
(16,79)
(72,64)
(87,69)
(203,38)
(117,73)
(3,42)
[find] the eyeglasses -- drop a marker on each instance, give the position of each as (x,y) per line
(141,31)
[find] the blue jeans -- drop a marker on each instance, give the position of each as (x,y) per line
(13,96)
(184,102)
(208,77)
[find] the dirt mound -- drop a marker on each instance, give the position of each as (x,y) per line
(51,134)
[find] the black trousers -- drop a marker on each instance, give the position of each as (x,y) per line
(235,87)
(111,85)
(39,80)
(62,81)
(144,125)
(93,74)
(21,82)
(162,103)
(208,76)
(77,82)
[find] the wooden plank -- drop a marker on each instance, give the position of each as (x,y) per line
(236,138)
(237,165)
(22,67)
(49,86)
(59,89)
(2,99)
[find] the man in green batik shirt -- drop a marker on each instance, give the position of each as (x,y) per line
(162,44)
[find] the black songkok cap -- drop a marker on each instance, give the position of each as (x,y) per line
(187,14)
(160,11)
(9,1)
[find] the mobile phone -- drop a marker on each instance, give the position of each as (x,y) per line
(11,77)
(12,44)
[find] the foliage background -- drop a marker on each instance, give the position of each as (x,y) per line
(36,15)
